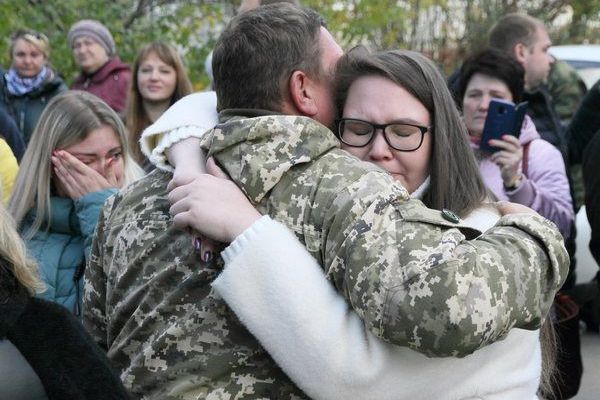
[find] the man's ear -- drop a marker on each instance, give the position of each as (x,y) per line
(520,53)
(301,93)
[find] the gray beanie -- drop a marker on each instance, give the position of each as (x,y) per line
(94,30)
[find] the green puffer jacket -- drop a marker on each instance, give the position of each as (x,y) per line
(26,109)
(65,247)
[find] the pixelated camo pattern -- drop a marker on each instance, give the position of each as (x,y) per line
(149,303)
(411,275)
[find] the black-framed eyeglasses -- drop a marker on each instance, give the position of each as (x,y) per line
(398,135)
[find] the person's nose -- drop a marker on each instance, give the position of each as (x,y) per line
(99,166)
(380,149)
(484,103)
(154,75)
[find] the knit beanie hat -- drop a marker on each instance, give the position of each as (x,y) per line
(94,30)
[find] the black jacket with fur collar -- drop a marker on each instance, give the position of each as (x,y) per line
(69,364)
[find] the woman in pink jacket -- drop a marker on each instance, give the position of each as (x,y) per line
(526,170)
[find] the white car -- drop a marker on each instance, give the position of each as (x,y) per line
(585,58)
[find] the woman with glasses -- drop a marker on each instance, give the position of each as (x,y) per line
(30,83)
(398,114)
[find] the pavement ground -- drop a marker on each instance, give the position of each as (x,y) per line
(590,342)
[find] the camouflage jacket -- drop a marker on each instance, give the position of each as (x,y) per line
(148,302)
(566,89)
(409,273)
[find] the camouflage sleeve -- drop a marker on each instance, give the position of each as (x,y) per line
(94,292)
(417,282)
(567,90)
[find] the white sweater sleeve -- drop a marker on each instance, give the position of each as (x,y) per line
(191,116)
(280,293)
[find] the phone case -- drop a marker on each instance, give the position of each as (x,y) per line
(503,118)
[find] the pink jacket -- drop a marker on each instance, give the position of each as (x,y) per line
(110,83)
(546,187)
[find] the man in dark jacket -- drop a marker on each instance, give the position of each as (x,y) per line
(591,166)
(590,312)
(526,40)
(584,125)
(585,137)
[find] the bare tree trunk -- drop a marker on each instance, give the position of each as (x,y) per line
(415,24)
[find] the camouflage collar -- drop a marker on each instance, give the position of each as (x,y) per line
(231,113)
(257,152)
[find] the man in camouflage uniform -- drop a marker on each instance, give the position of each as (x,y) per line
(411,275)
(566,90)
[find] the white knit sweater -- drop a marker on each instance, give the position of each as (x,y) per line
(280,293)
(190,116)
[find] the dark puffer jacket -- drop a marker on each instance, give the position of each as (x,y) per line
(584,125)
(56,348)
(26,109)
(591,179)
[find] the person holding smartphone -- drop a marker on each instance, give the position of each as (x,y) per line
(524,169)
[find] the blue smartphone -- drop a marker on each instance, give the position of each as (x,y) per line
(503,118)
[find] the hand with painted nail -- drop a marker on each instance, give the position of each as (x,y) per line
(212,205)
(508,158)
(72,178)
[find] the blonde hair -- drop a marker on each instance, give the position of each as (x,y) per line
(68,119)
(135,115)
(37,39)
(13,259)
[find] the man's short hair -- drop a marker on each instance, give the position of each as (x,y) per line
(513,29)
(259,50)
